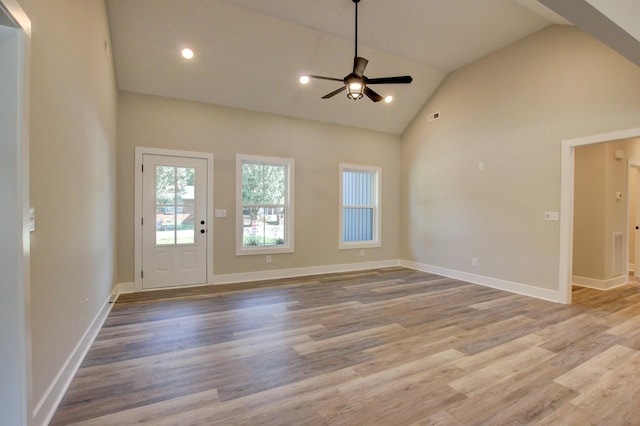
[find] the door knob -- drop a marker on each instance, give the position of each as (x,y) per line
(202,231)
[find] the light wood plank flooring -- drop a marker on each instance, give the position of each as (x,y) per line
(385,347)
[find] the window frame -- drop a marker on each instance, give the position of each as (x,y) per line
(376,196)
(289,164)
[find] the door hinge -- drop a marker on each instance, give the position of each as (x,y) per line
(142,221)
(141,274)
(142,168)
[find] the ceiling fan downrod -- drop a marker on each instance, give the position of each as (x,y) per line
(356,38)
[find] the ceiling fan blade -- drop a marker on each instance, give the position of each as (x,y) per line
(319,77)
(375,97)
(335,92)
(405,79)
(359,64)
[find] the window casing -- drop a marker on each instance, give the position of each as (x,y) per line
(264,205)
(360,216)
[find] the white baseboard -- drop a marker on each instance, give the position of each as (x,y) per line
(274,274)
(510,286)
(301,272)
(513,287)
(600,284)
(47,406)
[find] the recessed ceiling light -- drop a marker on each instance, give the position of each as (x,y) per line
(187,53)
(304,79)
(388,99)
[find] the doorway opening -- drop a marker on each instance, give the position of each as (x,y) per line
(567,202)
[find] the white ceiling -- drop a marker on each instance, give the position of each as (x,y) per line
(250,53)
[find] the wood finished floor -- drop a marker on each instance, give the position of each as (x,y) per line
(385,347)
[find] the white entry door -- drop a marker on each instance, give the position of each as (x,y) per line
(174,221)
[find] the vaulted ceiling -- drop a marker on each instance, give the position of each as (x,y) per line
(250,53)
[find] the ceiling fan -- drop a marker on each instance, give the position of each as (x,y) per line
(356,83)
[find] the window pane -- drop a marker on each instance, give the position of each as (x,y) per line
(185,224)
(165,185)
(185,185)
(357,224)
(357,188)
(165,226)
(263,184)
(263,226)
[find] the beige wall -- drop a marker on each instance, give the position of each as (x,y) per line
(72,155)
(316,148)
(589,211)
(509,110)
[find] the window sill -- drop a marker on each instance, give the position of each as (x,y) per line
(263,250)
(359,245)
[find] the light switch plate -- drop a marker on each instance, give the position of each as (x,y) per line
(221,213)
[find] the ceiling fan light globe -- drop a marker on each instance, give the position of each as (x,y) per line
(304,79)
(355,89)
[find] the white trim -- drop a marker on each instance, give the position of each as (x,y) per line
(275,274)
(289,206)
(510,286)
(600,284)
(15,325)
(14,12)
(139,152)
(377,207)
(566,202)
(631,232)
(301,272)
(47,406)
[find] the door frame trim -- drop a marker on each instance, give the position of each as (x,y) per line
(139,152)
(630,233)
(566,202)
(16,295)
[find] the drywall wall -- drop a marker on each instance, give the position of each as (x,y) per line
(509,111)
(589,211)
(317,149)
(72,155)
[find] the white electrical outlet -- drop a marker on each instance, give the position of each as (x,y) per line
(551,216)
(474,261)
(361,252)
(268,259)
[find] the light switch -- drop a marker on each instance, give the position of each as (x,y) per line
(32,219)
(221,213)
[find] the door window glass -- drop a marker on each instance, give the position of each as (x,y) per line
(175,205)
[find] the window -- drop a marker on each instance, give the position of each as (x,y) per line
(175,205)
(359,206)
(264,205)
